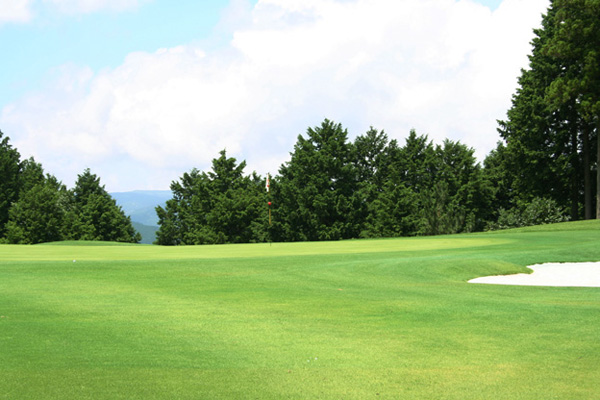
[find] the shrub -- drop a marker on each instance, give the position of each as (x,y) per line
(537,212)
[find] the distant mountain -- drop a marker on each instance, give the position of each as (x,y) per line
(141,205)
(148,232)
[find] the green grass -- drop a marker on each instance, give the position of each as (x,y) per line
(380,319)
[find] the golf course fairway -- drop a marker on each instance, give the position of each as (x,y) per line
(358,319)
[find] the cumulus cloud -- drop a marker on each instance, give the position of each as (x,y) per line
(444,67)
(15,11)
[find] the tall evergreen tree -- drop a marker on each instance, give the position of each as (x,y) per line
(550,125)
(39,214)
(459,199)
(500,177)
(221,206)
(316,196)
(177,217)
(95,215)
(575,44)
(10,170)
(535,137)
(32,173)
(372,155)
(414,174)
(234,202)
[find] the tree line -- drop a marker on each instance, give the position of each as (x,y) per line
(541,171)
(35,207)
(551,145)
(333,189)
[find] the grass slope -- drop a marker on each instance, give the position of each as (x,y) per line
(364,319)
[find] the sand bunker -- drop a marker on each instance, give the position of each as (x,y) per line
(551,274)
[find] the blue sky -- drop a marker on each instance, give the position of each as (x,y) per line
(141,91)
(99,39)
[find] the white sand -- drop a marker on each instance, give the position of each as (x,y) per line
(551,274)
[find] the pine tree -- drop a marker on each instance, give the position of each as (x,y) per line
(39,214)
(537,145)
(575,44)
(95,215)
(414,172)
(316,198)
(10,170)
(177,218)
(555,112)
(459,197)
(372,155)
(220,206)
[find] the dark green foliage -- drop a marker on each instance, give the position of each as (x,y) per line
(10,170)
(439,213)
(332,189)
(176,217)
(398,191)
(469,192)
(500,178)
(575,45)
(317,189)
(555,115)
(537,212)
(389,212)
(450,191)
(394,205)
(86,186)
(372,154)
(534,135)
(39,215)
(415,168)
(95,215)
(384,200)
(429,190)
(32,174)
(99,218)
(221,206)
(45,211)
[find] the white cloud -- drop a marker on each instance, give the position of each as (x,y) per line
(15,11)
(446,68)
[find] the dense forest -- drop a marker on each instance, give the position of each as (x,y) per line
(541,171)
(335,189)
(35,207)
(550,139)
